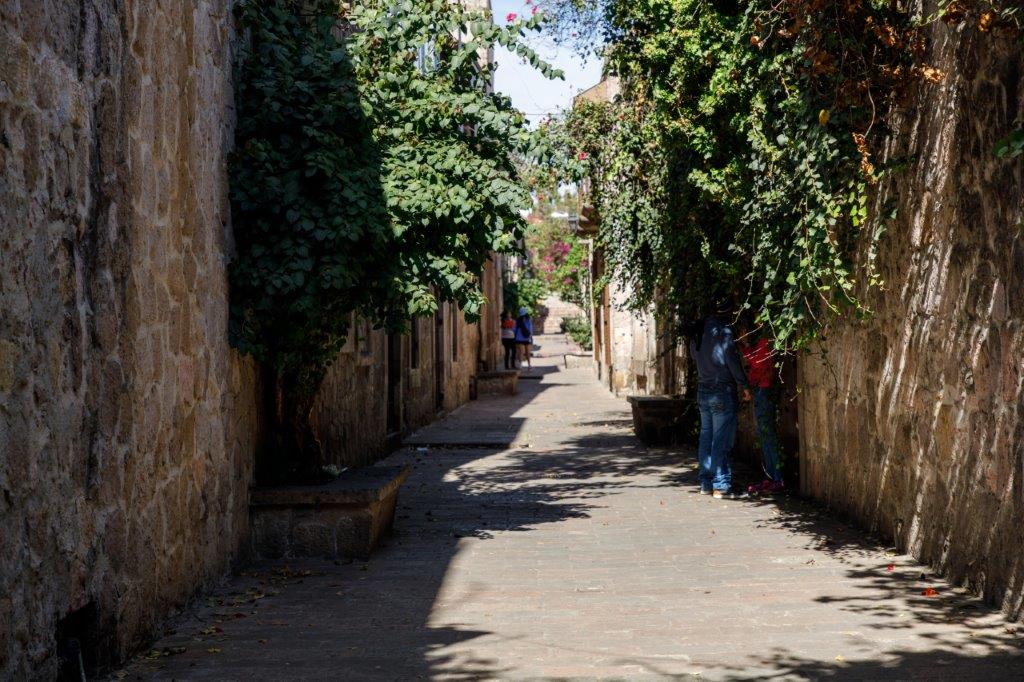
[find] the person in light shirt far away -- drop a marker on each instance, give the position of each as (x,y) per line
(761,371)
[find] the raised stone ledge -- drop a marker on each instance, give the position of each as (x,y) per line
(344,518)
(356,486)
(501,382)
(579,360)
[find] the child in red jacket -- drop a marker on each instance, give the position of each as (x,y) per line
(760,360)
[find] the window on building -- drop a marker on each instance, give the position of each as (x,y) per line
(426,58)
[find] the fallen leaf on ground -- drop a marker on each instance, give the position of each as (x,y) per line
(263,641)
(213,650)
(840,658)
(929,592)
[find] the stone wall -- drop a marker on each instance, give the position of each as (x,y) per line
(631,366)
(445,352)
(127,424)
(913,422)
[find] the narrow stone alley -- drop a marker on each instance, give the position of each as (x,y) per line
(536,538)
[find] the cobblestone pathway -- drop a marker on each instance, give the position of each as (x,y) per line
(549,544)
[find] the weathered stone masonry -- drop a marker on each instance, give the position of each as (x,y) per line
(127,424)
(128,427)
(913,422)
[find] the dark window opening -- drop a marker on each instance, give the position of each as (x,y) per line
(414,344)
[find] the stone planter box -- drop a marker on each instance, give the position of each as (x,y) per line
(661,419)
(501,382)
(344,518)
(579,360)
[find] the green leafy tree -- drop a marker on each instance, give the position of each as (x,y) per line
(373,174)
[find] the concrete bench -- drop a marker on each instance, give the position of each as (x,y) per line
(501,382)
(344,518)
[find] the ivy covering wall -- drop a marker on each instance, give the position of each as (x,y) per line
(741,160)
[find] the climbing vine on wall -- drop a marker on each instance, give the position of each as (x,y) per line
(373,174)
(741,159)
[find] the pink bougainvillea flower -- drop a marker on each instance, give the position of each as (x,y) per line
(891,567)
(533,10)
(511,16)
(582,155)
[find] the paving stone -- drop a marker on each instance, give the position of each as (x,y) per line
(587,556)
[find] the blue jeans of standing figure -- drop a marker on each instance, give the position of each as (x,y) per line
(764,410)
(717,434)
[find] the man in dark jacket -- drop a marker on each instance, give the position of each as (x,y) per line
(721,382)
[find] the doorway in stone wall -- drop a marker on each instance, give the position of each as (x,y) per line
(789,422)
(439,352)
(394,427)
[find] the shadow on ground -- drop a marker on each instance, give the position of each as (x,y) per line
(377,619)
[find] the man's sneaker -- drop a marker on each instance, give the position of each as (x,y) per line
(705,491)
(724,495)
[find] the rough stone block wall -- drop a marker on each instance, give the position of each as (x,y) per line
(634,345)
(461,359)
(351,410)
(127,425)
(350,414)
(913,422)
(420,406)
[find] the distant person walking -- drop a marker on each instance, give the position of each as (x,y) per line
(721,382)
(761,375)
(508,339)
(524,336)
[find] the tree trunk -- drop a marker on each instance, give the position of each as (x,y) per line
(292,452)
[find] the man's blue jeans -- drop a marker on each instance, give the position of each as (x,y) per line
(764,410)
(717,433)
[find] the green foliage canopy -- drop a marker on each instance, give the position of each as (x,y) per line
(739,160)
(373,170)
